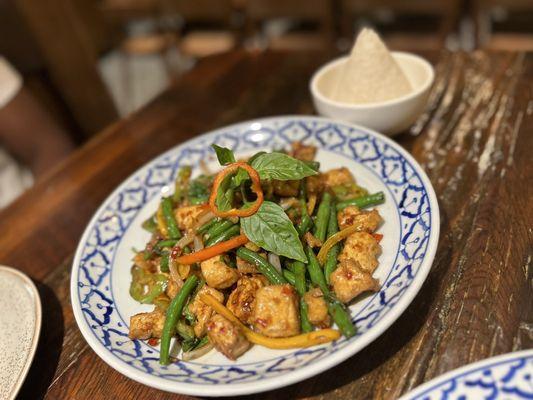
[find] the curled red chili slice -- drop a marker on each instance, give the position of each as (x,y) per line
(256,188)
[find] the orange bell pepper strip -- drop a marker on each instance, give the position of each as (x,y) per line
(212,251)
(256,188)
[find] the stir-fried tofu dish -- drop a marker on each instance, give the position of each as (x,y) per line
(268,251)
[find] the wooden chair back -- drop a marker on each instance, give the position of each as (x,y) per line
(69,45)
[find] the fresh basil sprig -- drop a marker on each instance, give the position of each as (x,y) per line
(281,167)
(224,199)
(225,156)
(271,229)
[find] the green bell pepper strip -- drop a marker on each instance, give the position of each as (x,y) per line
(150,225)
(173,313)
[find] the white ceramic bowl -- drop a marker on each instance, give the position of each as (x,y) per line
(389,117)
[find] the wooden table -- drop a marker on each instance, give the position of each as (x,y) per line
(474,141)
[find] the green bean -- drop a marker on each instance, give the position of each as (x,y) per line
(173,313)
(166,243)
(301,288)
(305,222)
(208,225)
(217,229)
(165,260)
(322,216)
(362,202)
(315,272)
(335,308)
(341,317)
(289,275)
(331,260)
(170,219)
(262,265)
(299,277)
(227,234)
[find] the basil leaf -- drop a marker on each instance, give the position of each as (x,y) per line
(199,189)
(271,229)
(225,156)
(240,177)
(224,199)
(281,167)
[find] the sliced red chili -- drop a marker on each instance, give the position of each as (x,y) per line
(256,188)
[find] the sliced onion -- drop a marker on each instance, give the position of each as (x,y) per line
(205,217)
(197,353)
(274,260)
(198,243)
(185,240)
(288,202)
(204,168)
(174,274)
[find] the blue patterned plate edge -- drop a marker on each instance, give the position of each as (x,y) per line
(295,375)
(507,376)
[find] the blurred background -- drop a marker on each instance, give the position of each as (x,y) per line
(86,63)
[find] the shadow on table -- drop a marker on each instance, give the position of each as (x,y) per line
(368,359)
(46,357)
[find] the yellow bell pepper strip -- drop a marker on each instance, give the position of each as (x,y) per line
(298,341)
(334,239)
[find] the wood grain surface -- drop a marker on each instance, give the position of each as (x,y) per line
(475,142)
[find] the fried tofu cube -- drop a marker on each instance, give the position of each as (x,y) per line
(363,248)
(241,301)
(317,309)
(226,337)
(172,289)
(202,311)
(276,311)
(245,267)
(147,325)
(338,176)
(286,188)
(217,273)
(349,280)
(303,152)
(187,217)
(351,215)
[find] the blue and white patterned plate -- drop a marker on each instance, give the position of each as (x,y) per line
(509,377)
(101,277)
